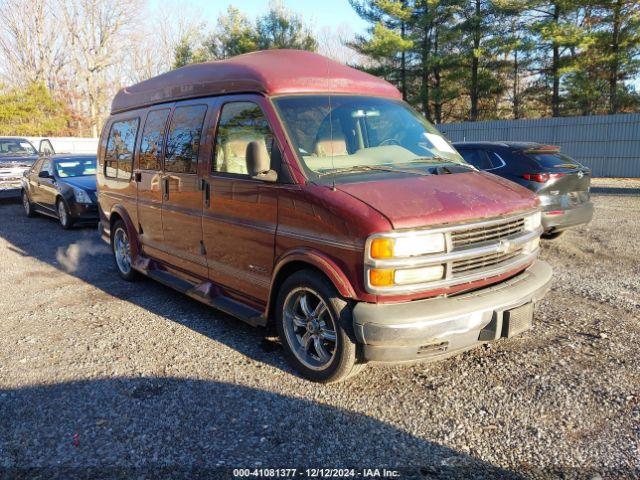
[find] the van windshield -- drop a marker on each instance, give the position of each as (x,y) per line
(340,134)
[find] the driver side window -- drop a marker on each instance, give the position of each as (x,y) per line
(46,167)
(240,124)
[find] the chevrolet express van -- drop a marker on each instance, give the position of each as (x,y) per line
(289,190)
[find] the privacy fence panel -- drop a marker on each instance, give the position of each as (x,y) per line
(608,144)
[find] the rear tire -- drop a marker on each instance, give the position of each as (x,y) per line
(64,216)
(314,326)
(27,205)
(551,235)
(121,249)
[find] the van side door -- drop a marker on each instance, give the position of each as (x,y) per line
(181,188)
(148,177)
(240,213)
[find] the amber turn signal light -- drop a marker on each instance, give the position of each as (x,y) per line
(382,247)
(381,277)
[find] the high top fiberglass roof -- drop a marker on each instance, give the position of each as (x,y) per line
(271,72)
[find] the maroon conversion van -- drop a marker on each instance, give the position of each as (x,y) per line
(289,190)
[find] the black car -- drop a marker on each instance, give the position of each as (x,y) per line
(62,186)
(561,183)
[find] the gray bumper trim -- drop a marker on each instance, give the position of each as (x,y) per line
(574,216)
(458,319)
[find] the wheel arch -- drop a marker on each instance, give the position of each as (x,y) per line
(302,259)
(119,213)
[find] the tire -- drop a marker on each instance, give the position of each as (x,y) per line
(305,328)
(27,205)
(64,216)
(121,249)
(551,235)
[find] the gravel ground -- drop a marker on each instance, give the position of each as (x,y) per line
(136,380)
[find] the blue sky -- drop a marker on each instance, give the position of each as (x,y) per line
(319,13)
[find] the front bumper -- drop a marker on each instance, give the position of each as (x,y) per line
(84,212)
(435,328)
(570,217)
(13,192)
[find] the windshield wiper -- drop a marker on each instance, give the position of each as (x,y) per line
(437,159)
(366,168)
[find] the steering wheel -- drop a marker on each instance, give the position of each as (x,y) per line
(389,141)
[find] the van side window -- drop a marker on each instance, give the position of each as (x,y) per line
(118,159)
(183,141)
(153,140)
(240,123)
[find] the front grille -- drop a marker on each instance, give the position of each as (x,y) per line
(482,261)
(463,238)
(474,251)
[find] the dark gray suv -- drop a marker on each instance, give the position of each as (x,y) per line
(561,183)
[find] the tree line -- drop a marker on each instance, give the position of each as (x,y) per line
(234,34)
(453,60)
(492,59)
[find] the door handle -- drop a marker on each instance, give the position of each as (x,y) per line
(138,177)
(207,193)
(165,188)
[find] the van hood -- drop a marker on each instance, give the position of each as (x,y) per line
(426,200)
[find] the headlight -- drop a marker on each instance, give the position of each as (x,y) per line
(533,222)
(407,246)
(81,196)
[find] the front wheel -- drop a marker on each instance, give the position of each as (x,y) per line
(121,247)
(26,204)
(66,221)
(551,235)
(313,324)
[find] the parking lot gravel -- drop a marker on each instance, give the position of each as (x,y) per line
(102,378)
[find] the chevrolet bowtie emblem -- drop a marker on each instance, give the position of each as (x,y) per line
(504,246)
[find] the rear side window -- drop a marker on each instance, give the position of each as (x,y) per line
(477,158)
(240,123)
(153,140)
(183,141)
(118,159)
(496,160)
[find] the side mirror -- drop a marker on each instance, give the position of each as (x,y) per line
(44,174)
(259,162)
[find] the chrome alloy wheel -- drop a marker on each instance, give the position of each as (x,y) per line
(309,328)
(122,250)
(25,203)
(62,214)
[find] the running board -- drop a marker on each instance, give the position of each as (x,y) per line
(203,293)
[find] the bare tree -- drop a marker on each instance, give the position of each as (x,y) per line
(154,43)
(32,45)
(101,35)
(333,42)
